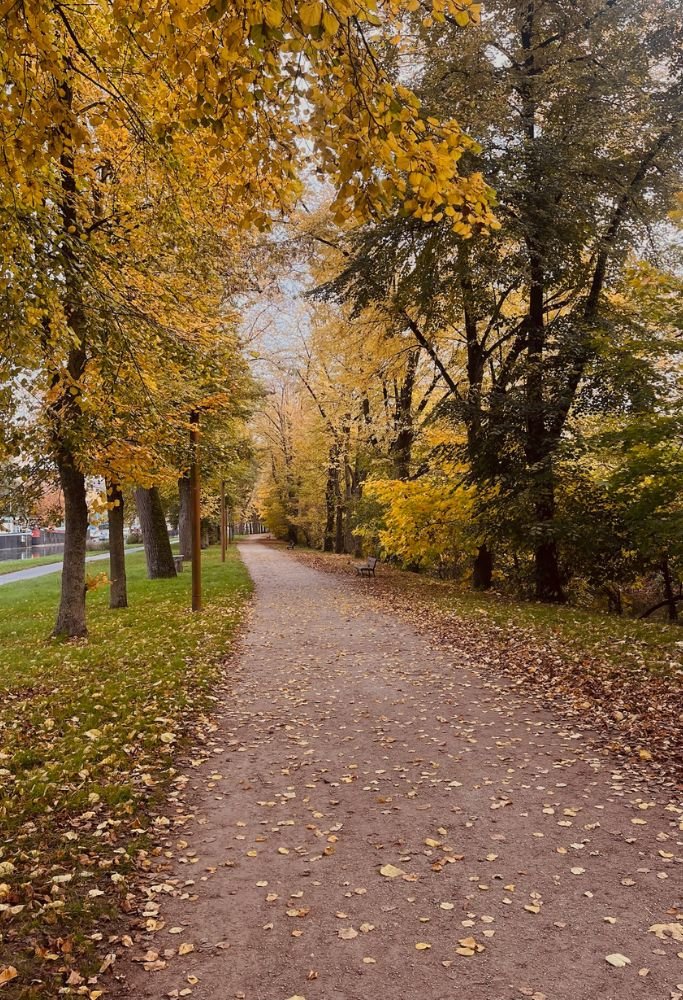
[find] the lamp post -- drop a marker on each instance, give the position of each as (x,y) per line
(224,519)
(196,513)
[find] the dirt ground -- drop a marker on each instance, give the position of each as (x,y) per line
(376,818)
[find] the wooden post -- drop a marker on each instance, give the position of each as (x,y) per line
(223,520)
(196,514)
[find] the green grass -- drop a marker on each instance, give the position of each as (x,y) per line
(89,732)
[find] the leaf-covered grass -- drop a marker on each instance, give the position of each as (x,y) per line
(88,734)
(625,641)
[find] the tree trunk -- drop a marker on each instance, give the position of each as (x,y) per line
(482,570)
(66,410)
(339,528)
(118,596)
(154,534)
(547,573)
(669,594)
(71,613)
(185,518)
(348,507)
(330,494)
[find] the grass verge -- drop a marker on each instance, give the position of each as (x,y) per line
(89,732)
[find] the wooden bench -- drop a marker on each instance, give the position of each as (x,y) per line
(178,563)
(367,568)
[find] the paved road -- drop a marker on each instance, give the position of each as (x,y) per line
(520,856)
(33,572)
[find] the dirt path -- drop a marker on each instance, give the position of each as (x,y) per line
(349,745)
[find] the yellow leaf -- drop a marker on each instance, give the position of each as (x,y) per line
(391,871)
(618,960)
(422,946)
(7,974)
(311,14)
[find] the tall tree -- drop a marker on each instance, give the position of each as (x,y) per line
(186,99)
(578,112)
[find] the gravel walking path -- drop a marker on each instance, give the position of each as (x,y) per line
(376,820)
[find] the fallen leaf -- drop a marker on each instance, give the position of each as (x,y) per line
(664,931)
(617,960)
(347,933)
(391,871)
(7,974)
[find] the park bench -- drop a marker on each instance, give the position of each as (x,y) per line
(367,568)
(178,563)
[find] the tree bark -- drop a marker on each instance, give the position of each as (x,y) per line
(339,527)
(331,489)
(185,518)
(118,595)
(669,595)
(71,614)
(482,570)
(155,538)
(66,410)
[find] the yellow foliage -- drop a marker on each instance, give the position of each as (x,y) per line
(427,521)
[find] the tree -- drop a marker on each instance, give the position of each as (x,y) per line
(182,101)
(577,111)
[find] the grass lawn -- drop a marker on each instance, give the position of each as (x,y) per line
(88,734)
(625,641)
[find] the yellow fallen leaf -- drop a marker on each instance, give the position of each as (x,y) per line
(662,931)
(348,933)
(617,960)
(391,871)
(422,946)
(185,948)
(7,974)
(446,906)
